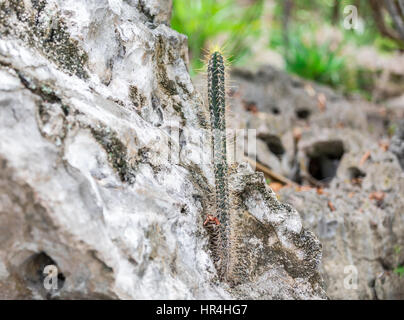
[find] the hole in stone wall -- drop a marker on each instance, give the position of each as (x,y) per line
(355,173)
(324,158)
(274,143)
(33,273)
(275,110)
(296,83)
(303,113)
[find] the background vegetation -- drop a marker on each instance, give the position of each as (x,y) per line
(210,21)
(292,28)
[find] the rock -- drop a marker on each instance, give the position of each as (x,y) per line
(106,177)
(387,286)
(397,144)
(267,232)
(357,209)
(396,104)
(265,156)
(359,221)
(282,101)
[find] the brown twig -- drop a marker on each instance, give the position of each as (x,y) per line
(314,181)
(271,174)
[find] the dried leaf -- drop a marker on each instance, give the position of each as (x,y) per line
(384,145)
(211,219)
(321,191)
(250,106)
(377,195)
(305,188)
(276,186)
(297,134)
(310,90)
(331,206)
(321,102)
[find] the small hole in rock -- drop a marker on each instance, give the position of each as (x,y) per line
(34,274)
(324,158)
(275,110)
(274,143)
(303,113)
(296,83)
(355,173)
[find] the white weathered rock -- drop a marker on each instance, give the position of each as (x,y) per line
(91,93)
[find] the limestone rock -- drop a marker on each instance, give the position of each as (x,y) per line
(101,169)
(397,143)
(344,149)
(359,221)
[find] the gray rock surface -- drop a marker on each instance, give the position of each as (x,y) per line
(94,182)
(357,209)
(359,220)
(397,143)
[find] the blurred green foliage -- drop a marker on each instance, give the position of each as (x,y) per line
(309,59)
(391,130)
(314,61)
(322,62)
(326,62)
(235,27)
(399,270)
(222,22)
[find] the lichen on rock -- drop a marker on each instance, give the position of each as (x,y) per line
(40,25)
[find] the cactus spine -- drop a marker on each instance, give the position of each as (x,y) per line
(216,100)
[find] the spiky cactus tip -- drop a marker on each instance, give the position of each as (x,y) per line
(216,97)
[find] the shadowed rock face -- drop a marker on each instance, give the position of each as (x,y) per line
(94,183)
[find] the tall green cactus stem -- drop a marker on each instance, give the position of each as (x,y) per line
(216,97)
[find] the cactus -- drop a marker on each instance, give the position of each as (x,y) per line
(216,100)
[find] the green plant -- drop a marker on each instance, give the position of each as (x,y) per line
(399,270)
(204,21)
(321,62)
(216,101)
(306,57)
(392,129)
(387,45)
(314,61)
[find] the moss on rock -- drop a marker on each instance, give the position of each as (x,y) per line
(46,32)
(116,151)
